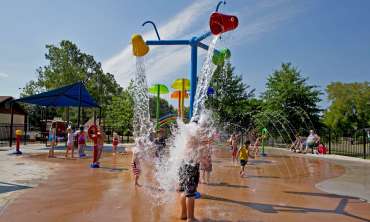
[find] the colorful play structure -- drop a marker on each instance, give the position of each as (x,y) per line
(158,89)
(182,85)
(218,23)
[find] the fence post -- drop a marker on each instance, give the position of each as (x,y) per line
(329,141)
(364,140)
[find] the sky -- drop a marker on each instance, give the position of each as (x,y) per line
(326,40)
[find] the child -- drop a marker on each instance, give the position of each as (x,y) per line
(52,139)
(322,149)
(297,144)
(136,169)
(206,164)
(115,142)
(100,143)
(81,137)
(70,145)
(189,175)
(243,157)
(234,145)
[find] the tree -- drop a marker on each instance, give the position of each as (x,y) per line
(67,65)
(120,111)
(231,100)
(290,103)
(350,106)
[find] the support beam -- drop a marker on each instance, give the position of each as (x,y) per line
(79,107)
(193,75)
(167,42)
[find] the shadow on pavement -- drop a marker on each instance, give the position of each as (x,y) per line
(276,208)
(10,187)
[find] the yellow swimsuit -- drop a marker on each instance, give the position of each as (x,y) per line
(243,153)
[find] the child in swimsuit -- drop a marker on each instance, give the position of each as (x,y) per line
(243,157)
(115,142)
(52,139)
(81,142)
(70,146)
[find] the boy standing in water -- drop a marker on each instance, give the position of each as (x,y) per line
(243,157)
(189,176)
(234,145)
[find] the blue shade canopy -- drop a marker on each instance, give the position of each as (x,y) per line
(62,97)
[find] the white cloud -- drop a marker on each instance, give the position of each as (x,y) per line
(169,62)
(3,75)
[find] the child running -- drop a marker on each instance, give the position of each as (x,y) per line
(243,157)
(115,142)
(70,146)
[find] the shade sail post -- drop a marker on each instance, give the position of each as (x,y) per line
(11,124)
(25,127)
(79,106)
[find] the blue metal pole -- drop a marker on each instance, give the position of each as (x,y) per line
(193,73)
(167,42)
(204,36)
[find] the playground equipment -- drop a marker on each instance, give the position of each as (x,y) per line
(183,85)
(219,58)
(18,137)
(139,48)
(210,91)
(264,133)
(93,135)
(167,119)
(158,89)
(180,97)
(219,23)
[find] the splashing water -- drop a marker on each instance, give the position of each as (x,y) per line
(186,146)
(142,125)
(186,138)
(165,170)
(204,79)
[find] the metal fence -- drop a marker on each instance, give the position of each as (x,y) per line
(356,144)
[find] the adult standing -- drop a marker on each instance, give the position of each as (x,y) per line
(312,141)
